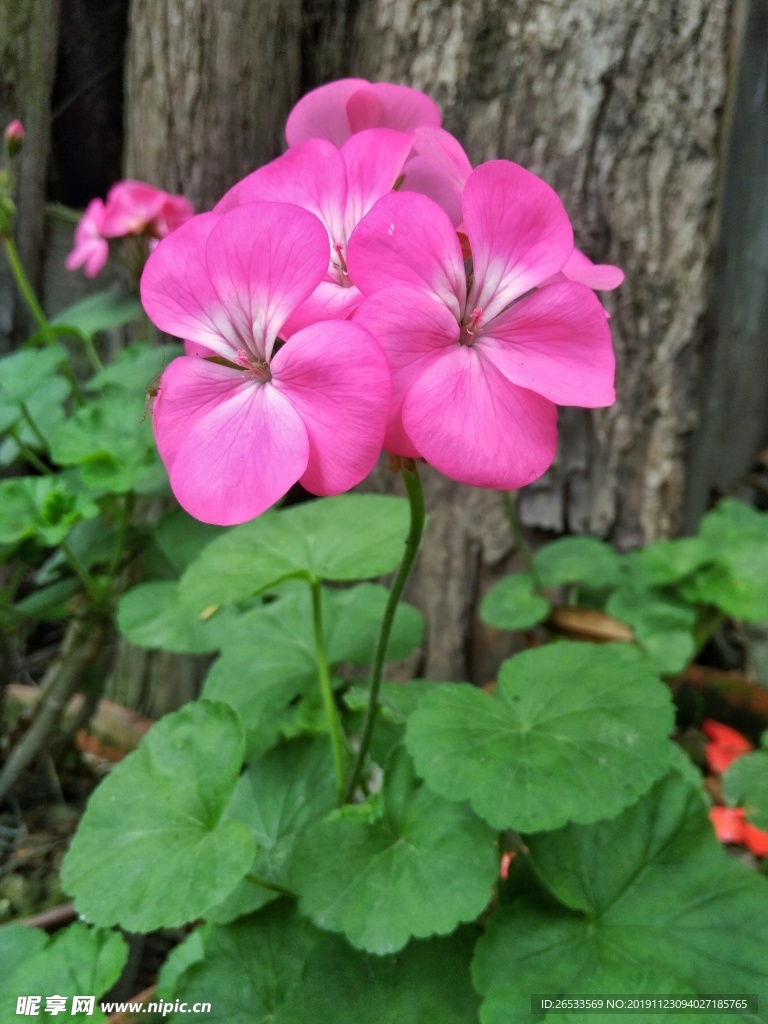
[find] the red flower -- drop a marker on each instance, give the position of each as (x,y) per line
(726,747)
(731,827)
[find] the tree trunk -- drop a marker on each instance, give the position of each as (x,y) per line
(28,37)
(208,88)
(618,104)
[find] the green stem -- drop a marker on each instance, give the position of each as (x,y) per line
(81,572)
(22,283)
(32,425)
(124,515)
(412,543)
(30,456)
(91,353)
(324,677)
(520,541)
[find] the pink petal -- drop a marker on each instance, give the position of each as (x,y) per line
(264,260)
(475,427)
(177,291)
(407,239)
(130,207)
(373,161)
(232,446)
(413,330)
(175,211)
(438,167)
(311,176)
(322,113)
(602,277)
(384,105)
(556,342)
(91,248)
(336,378)
(329,301)
(519,232)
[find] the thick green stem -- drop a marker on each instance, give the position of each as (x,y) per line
(22,283)
(520,541)
(412,544)
(124,515)
(326,689)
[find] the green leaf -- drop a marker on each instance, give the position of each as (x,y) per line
(397,700)
(278,798)
(745,784)
(269,660)
(46,409)
(351,537)
(667,561)
(78,961)
(23,373)
(152,850)
(181,538)
(426,982)
(426,866)
(51,602)
(43,507)
(17,945)
(737,537)
(662,623)
(574,732)
(188,952)
(103,311)
(114,450)
(648,893)
(151,615)
(513,604)
(136,367)
(577,560)
(250,967)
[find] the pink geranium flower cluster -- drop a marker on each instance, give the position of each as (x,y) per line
(369,290)
(131,208)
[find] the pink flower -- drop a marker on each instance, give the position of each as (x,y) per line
(340,109)
(14,136)
(479,363)
(726,747)
(339,186)
(91,248)
(237,428)
(135,208)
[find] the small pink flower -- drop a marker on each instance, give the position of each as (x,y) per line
(14,135)
(339,186)
(236,431)
(340,109)
(91,248)
(135,208)
(478,364)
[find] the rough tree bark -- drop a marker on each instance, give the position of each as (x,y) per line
(618,104)
(208,87)
(28,37)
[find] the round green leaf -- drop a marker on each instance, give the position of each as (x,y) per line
(151,615)
(181,538)
(745,784)
(78,961)
(114,450)
(663,624)
(512,604)
(152,850)
(574,732)
(426,866)
(577,560)
(102,311)
(250,967)
(23,372)
(278,798)
(426,982)
(269,659)
(667,561)
(351,537)
(648,893)
(43,507)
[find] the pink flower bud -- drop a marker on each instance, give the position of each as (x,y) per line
(14,137)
